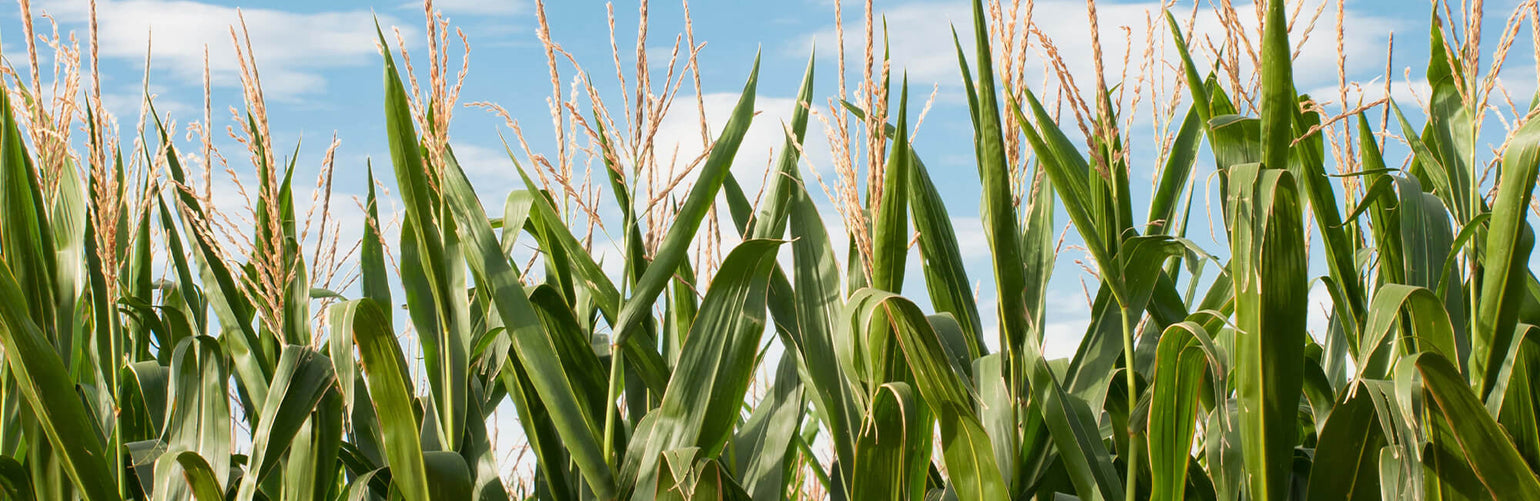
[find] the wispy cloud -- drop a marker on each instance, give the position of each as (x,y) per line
(679,134)
(476,7)
(292,49)
(921,38)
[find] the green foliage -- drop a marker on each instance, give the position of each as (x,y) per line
(640,385)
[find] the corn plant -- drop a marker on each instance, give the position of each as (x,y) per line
(258,373)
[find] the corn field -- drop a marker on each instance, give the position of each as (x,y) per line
(741,346)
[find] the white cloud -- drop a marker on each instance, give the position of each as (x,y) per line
(475,7)
(921,40)
(922,43)
(1066,322)
(292,49)
(1062,338)
(125,107)
(1409,95)
(679,135)
(1518,81)
(972,242)
(489,170)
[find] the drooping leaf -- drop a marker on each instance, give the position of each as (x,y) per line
(1483,443)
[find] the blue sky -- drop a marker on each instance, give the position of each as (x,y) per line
(322,75)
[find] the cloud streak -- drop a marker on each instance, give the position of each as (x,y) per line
(921,39)
(293,50)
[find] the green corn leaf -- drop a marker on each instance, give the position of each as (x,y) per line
(997,206)
(1519,360)
(1471,229)
(384,369)
(311,466)
(1270,311)
(688,218)
(146,385)
(1138,270)
(763,459)
(701,405)
(449,478)
(1508,244)
(199,416)
(26,232)
(1176,172)
(1379,193)
(1384,227)
(887,441)
(584,370)
(770,220)
(1450,134)
(1515,411)
(67,221)
(515,216)
(1427,322)
(1222,449)
(45,386)
(1201,98)
(302,378)
(636,255)
(365,487)
(712,482)
(429,261)
(1278,99)
(1235,140)
(997,413)
(945,390)
(531,344)
(252,363)
(815,276)
(190,292)
(340,351)
(376,280)
(890,228)
(544,441)
(1347,459)
(1310,169)
(573,346)
(1074,432)
(189,469)
(945,277)
(558,243)
(763,444)
(1480,440)
(1179,374)
(1427,243)
(477,451)
(14,481)
(1426,163)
